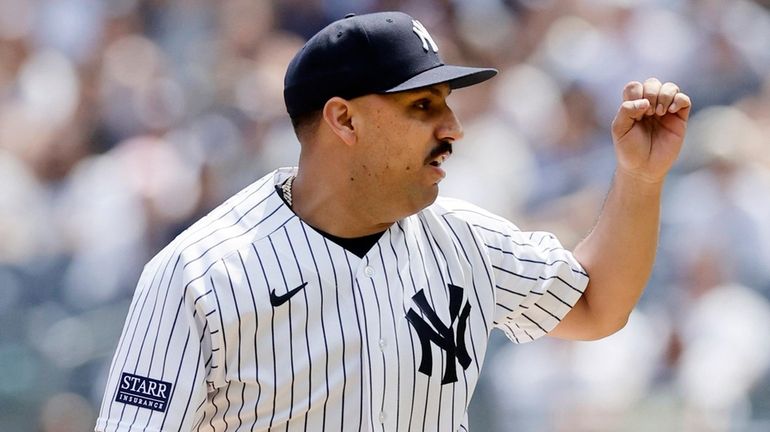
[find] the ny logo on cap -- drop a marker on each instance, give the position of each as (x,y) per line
(422,32)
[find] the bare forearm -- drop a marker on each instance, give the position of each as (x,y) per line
(647,133)
(619,252)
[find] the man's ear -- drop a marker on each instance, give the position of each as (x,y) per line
(338,115)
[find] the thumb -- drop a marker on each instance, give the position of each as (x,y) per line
(630,111)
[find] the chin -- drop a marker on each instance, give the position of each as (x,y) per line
(433,194)
(418,201)
(428,198)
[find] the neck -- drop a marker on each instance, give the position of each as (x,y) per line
(332,205)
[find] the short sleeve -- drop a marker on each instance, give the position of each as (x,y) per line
(157,378)
(536,280)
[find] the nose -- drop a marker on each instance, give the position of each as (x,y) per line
(450,127)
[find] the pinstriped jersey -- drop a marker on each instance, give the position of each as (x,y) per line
(253,320)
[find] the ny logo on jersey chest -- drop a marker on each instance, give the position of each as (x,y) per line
(440,334)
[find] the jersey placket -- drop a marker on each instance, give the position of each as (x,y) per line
(365,285)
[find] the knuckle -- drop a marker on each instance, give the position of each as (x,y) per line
(652,80)
(633,90)
(671,87)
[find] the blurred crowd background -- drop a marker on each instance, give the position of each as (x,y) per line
(123,121)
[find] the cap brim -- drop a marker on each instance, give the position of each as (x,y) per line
(455,76)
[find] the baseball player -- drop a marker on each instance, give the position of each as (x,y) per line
(344,294)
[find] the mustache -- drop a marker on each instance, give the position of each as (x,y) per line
(441,148)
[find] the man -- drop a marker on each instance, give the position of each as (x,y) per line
(343,294)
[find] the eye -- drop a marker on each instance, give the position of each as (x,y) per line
(422,104)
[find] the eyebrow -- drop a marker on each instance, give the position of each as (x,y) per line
(433,90)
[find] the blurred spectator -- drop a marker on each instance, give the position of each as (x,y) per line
(724,356)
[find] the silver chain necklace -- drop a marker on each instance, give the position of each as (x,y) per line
(286,189)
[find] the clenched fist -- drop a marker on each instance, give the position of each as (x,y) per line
(649,128)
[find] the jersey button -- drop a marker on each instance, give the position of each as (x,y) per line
(368,271)
(382,344)
(382,416)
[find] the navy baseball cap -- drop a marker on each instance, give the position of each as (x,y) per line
(383,52)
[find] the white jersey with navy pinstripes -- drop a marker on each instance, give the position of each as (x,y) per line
(252,320)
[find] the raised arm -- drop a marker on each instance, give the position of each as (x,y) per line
(618,254)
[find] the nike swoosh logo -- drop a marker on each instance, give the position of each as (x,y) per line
(277,300)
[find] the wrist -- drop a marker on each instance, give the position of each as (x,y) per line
(631,182)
